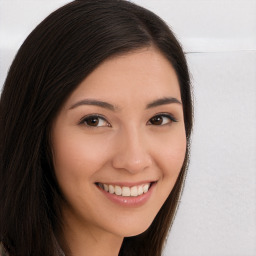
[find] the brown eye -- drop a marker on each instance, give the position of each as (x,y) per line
(95,121)
(156,120)
(162,119)
(92,121)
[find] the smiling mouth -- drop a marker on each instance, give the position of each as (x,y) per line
(125,191)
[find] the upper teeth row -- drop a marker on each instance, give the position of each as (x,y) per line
(125,191)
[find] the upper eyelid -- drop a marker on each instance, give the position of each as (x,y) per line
(165,114)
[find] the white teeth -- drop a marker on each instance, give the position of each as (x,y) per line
(111,189)
(105,187)
(118,190)
(140,190)
(125,191)
(145,188)
(134,191)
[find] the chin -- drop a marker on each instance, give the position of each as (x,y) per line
(134,229)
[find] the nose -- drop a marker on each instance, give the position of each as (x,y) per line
(132,153)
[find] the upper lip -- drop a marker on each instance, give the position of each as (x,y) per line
(128,184)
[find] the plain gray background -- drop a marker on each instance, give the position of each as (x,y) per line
(217,214)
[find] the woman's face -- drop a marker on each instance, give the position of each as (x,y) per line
(119,143)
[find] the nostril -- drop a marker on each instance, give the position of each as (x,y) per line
(132,164)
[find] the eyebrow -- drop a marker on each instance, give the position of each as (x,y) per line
(103,104)
(163,101)
(92,102)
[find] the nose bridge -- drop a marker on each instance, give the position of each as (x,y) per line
(132,152)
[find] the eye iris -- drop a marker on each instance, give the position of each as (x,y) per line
(92,121)
(157,120)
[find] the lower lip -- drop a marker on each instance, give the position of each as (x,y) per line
(129,201)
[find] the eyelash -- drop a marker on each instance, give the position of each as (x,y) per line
(165,115)
(96,116)
(85,119)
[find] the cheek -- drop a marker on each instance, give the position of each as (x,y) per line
(77,157)
(169,161)
(171,154)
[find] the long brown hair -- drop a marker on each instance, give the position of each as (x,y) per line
(61,51)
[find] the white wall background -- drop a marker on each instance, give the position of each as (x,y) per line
(217,215)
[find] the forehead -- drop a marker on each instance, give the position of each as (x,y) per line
(142,75)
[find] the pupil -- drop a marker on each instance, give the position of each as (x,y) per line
(93,121)
(157,120)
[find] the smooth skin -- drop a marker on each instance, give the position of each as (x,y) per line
(123,123)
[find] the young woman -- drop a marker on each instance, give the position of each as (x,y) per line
(95,120)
